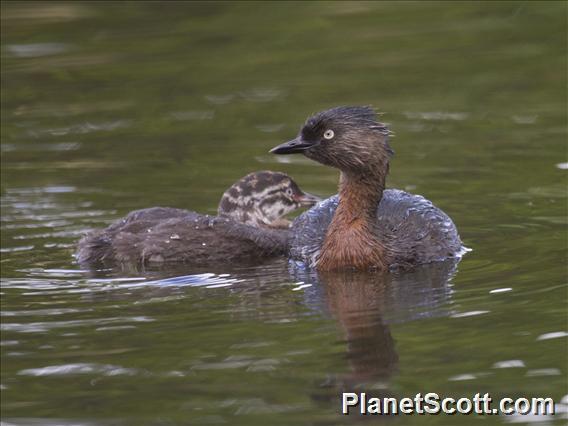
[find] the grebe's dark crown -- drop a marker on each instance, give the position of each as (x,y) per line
(334,123)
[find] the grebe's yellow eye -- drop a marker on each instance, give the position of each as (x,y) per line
(328,134)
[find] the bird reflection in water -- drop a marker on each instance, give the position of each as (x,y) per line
(365,305)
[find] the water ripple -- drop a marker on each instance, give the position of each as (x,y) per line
(261,94)
(15,249)
(40,327)
(553,335)
(34,50)
(53,311)
(80,368)
(82,128)
(511,363)
(437,115)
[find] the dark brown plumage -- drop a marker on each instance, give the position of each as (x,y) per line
(246,230)
(365,227)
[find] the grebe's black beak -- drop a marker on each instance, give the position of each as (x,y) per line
(307,199)
(292,147)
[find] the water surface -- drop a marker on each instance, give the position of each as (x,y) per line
(112,107)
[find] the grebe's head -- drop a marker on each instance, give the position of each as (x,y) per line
(262,198)
(347,138)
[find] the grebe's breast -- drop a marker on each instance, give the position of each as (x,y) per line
(416,230)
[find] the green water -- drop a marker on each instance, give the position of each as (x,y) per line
(111,107)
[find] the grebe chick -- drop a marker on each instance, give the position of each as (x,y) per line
(249,226)
(364,226)
(263,199)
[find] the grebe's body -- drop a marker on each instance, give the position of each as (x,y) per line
(364,226)
(414,222)
(249,227)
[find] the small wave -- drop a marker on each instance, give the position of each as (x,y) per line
(553,335)
(82,128)
(207,280)
(80,368)
(192,115)
(219,99)
(15,249)
(510,363)
(468,314)
(42,312)
(36,50)
(261,94)
(44,326)
(437,115)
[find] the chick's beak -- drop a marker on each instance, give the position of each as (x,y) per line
(292,147)
(307,200)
